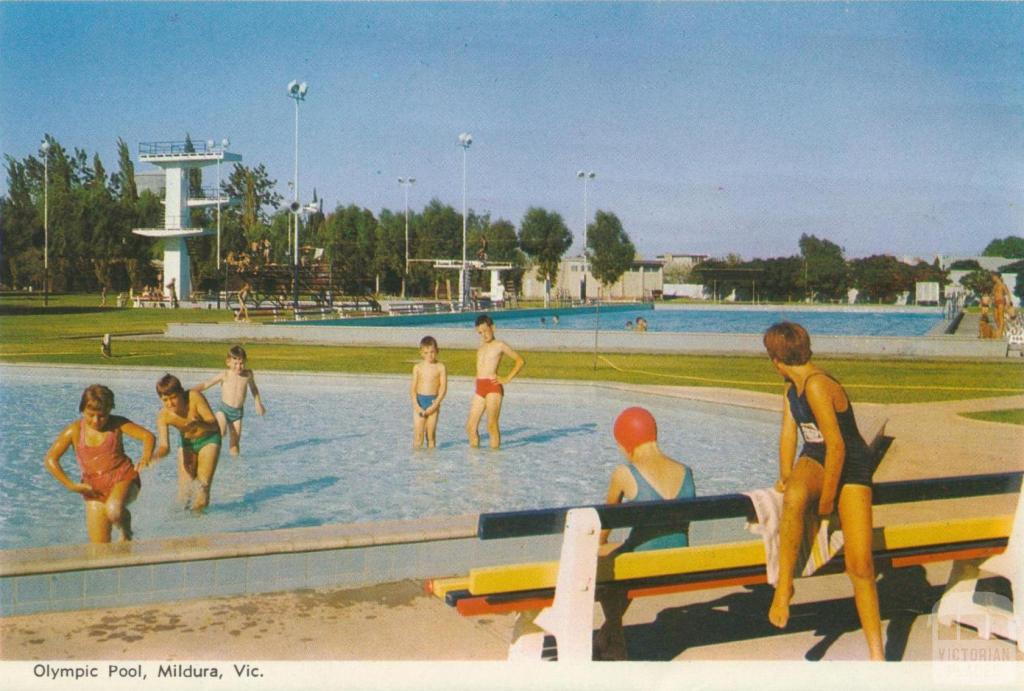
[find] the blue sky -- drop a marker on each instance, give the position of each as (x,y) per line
(713,128)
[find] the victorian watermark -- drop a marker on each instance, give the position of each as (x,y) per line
(973,640)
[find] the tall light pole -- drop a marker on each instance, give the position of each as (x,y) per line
(465,139)
(297,91)
(224,143)
(406,183)
(585,176)
(44,148)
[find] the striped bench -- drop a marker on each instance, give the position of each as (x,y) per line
(565,590)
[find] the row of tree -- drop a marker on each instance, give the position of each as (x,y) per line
(91,215)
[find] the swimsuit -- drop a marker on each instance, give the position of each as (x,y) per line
(486,386)
(859,464)
(425,400)
(644,538)
(231,413)
(194,445)
(105,465)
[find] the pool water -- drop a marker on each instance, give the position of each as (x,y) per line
(337,449)
(736,320)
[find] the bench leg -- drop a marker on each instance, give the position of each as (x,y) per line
(570,619)
(527,639)
(988,617)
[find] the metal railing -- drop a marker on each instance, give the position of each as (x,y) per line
(175,148)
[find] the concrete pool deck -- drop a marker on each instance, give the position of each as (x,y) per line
(396,621)
(960,345)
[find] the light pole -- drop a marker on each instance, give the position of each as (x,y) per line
(44,148)
(297,91)
(406,183)
(585,176)
(224,143)
(465,139)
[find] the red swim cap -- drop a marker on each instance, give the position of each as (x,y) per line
(633,427)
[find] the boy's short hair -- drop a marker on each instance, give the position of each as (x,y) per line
(428,342)
(169,384)
(788,343)
(484,319)
(96,396)
(237,352)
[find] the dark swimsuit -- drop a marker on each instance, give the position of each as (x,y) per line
(859,464)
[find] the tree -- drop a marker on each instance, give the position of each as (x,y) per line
(348,238)
(123,181)
(824,268)
(881,277)
(612,250)
(779,278)
(965,265)
(978,282)
(544,236)
(1012,247)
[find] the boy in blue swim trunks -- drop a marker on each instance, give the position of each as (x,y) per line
(427,390)
(190,414)
(233,383)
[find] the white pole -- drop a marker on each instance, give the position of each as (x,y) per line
(462,275)
(295,198)
(46,227)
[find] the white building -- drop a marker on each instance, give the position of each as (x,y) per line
(643,281)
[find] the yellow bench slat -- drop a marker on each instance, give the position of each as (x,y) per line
(514,577)
(442,586)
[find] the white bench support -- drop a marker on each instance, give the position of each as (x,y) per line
(958,601)
(570,619)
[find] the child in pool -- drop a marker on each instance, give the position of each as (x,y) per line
(233,384)
(109,480)
(490,388)
(650,475)
(190,414)
(427,390)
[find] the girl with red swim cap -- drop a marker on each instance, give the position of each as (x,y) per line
(650,475)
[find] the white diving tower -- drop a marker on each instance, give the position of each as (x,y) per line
(177,162)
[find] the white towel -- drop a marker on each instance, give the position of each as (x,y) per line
(821,540)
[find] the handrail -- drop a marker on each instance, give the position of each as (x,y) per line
(492,526)
(173,148)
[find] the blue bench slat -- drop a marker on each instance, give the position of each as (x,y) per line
(497,525)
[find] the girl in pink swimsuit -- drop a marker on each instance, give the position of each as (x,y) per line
(109,480)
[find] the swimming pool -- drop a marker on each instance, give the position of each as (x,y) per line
(689,319)
(337,449)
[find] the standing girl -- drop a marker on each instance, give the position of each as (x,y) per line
(109,480)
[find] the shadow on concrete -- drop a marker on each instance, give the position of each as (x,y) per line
(904,594)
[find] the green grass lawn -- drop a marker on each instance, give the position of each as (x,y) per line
(69,331)
(1011,417)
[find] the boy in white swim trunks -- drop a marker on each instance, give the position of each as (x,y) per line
(233,383)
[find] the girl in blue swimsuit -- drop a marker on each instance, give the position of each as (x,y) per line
(650,475)
(833,467)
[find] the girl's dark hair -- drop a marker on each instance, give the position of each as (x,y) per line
(484,319)
(788,343)
(96,396)
(428,341)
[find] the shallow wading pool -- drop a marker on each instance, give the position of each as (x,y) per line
(337,449)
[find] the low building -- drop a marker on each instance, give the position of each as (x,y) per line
(643,281)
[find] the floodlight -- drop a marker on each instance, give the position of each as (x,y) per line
(303,88)
(465,139)
(293,87)
(225,143)
(44,147)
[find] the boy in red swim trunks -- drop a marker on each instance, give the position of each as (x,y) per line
(109,480)
(489,386)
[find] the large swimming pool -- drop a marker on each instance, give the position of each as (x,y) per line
(694,319)
(337,449)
